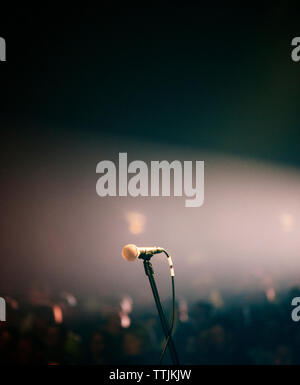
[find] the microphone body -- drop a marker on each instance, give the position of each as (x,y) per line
(150,250)
(132,252)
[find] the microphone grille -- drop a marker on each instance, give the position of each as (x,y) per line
(130,253)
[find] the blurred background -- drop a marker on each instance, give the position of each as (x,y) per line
(179,81)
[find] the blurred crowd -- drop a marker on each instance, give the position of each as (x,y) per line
(67,330)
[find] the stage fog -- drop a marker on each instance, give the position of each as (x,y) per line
(61,234)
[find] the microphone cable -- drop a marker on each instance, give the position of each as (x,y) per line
(167,340)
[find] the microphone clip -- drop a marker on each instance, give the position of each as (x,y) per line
(146,256)
(148,267)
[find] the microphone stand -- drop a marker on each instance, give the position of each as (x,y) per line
(149,272)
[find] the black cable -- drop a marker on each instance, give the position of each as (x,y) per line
(172,320)
(149,272)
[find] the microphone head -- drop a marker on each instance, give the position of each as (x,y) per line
(130,252)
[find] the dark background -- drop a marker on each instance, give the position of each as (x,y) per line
(219,76)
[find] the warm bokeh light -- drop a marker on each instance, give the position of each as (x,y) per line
(136,222)
(287,221)
(57,313)
(271,294)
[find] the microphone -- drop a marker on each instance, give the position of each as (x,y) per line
(131,252)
